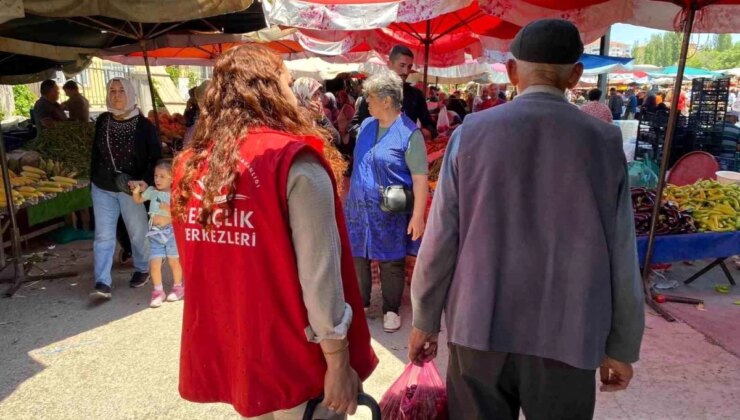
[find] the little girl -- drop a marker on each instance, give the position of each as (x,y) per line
(161,236)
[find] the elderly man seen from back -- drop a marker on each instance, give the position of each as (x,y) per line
(531,177)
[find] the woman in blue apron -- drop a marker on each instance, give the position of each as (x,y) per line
(390,151)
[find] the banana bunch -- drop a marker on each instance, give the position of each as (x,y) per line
(715,207)
(55,168)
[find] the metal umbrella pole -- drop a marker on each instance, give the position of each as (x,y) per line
(20,266)
(667,143)
(142,44)
(15,236)
(427,44)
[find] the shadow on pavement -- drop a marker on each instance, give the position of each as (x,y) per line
(46,312)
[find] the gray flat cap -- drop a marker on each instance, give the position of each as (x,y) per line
(550,41)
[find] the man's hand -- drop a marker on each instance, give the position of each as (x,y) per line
(615,375)
(422,347)
(416,227)
(341,385)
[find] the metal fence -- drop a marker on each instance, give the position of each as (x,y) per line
(93,80)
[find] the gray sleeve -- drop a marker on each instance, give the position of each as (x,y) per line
(318,250)
(416,154)
(628,297)
(435,264)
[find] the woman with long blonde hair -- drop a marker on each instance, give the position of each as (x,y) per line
(274,315)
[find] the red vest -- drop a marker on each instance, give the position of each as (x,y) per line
(243,337)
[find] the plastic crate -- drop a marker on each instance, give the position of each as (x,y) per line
(728,164)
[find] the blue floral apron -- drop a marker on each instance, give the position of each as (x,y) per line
(375,234)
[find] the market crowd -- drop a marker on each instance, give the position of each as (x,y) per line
(286,194)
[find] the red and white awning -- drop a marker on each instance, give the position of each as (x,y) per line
(355,14)
(715,16)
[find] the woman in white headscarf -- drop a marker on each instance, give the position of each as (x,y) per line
(126,148)
(309,95)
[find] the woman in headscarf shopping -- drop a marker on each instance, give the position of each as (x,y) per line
(126,148)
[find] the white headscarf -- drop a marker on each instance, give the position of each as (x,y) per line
(304,88)
(130,109)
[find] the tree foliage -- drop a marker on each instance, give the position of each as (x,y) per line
(664,50)
(716,59)
(24,100)
(724,42)
(174,72)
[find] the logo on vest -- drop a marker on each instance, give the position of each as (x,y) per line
(233,228)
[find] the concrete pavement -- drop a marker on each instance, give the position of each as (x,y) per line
(62,358)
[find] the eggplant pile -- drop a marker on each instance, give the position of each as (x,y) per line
(671,220)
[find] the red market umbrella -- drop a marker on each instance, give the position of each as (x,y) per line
(716,16)
(441,39)
(355,14)
(196,54)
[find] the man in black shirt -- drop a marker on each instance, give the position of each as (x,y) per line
(414,101)
(47,111)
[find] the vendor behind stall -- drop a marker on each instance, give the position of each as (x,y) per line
(47,111)
(77,105)
(730,137)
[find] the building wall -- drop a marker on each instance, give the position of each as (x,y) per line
(616,49)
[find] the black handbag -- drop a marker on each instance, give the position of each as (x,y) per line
(393,198)
(397,199)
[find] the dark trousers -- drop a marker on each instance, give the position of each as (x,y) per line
(487,385)
(392,282)
(617,117)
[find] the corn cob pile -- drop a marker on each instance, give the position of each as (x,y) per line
(32,183)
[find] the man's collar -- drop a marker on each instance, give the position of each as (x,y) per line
(552,90)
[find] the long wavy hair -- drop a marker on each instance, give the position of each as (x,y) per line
(244,93)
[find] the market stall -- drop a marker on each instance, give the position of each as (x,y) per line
(690,247)
(40,195)
(695,222)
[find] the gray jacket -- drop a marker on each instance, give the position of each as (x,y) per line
(531,242)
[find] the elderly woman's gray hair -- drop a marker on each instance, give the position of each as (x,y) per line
(386,85)
(304,88)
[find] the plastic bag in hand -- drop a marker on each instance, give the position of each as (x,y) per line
(443,120)
(418,394)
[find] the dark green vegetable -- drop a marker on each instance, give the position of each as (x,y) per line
(67,142)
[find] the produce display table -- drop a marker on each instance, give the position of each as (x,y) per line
(693,246)
(48,208)
(60,205)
